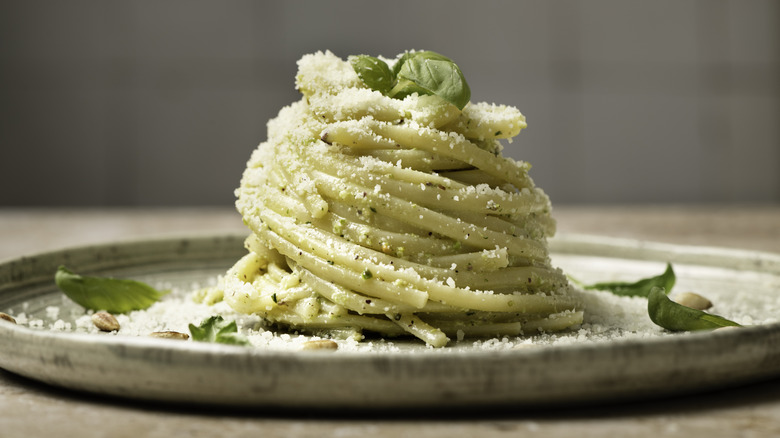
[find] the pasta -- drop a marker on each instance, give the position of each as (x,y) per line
(393,216)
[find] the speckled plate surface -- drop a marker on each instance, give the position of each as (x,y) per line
(146,368)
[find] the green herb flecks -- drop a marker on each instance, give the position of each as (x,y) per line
(424,73)
(110,294)
(640,288)
(216,329)
(676,317)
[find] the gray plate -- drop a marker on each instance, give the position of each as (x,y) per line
(152,369)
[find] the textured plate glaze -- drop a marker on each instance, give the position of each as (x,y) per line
(152,369)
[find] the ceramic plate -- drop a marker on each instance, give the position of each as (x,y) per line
(152,369)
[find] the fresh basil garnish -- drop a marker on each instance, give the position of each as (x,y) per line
(424,73)
(639,288)
(676,317)
(373,72)
(662,311)
(432,74)
(110,294)
(401,61)
(216,329)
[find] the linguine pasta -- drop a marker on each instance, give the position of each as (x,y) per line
(397,217)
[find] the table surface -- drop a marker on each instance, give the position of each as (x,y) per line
(28,408)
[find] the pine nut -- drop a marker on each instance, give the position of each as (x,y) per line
(105,321)
(320,344)
(692,300)
(169,334)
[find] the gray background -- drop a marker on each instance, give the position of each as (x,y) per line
(159,103)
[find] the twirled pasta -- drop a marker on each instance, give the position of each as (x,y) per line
(393,216)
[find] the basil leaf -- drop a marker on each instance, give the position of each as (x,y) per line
(216,329)
(400,62)
(640,288)
(373,72)
(407,55)
(430,73)
(676,317)
(102,293)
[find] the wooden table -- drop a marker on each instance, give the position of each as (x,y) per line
(30,409)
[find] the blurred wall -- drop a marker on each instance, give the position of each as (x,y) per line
(161,102)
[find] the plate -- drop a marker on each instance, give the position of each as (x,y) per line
(414,375)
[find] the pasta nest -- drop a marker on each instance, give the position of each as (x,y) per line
(373,214)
